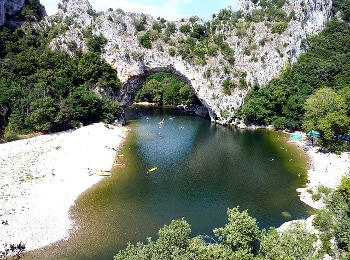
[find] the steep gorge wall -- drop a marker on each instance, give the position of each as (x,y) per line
(8,8)
(133,62)
(11,12)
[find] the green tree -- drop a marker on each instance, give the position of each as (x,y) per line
(241,232)
(333,221)
(43,114)
(172,243)
(294,243)
(326,112)
(96,43)
(140,23)
(145,40)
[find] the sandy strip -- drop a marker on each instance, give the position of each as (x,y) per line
(41,177)
(325,169)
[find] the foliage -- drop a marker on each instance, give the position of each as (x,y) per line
(44,90)
(96,43)
(334,220)
(165,88)
(240,238)
(145,40)
(140,23)
(171,244)
(325,64)
(279,27)
(293,243)
(342,6)
(228,85)
(241,232)
(326,112)
(32,9)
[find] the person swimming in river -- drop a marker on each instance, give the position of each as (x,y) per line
(161,123)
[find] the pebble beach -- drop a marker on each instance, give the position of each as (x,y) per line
(41,177)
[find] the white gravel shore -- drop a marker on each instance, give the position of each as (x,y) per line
(325,169)
(41,177)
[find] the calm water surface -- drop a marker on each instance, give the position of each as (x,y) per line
(203,169)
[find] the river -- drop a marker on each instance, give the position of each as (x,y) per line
(202,169)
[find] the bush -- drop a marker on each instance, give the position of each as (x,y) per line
(279,27)
(172,52)
(145,40)
(140,24)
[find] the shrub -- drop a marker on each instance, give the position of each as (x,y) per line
(140,24)
(145,41)
(279,27)
(172,52)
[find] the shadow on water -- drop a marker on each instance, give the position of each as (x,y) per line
(202,169)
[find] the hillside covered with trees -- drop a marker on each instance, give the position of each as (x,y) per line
(312,94)
(44,90)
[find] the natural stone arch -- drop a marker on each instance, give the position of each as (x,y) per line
(126,94)
(133,62)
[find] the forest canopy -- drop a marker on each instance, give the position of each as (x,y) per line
(283,101)
(44,90)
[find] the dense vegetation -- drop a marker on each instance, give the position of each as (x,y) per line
(44,90)
(241,238)
(334,221)
(290,100)
(165,89)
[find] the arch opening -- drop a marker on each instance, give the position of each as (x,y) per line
(129,91)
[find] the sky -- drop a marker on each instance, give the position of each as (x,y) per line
(167,9)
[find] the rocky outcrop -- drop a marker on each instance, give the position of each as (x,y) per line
(10,9)
(259,54)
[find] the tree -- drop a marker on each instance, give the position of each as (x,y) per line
(326,112)
(294,243)
(96,43)
(145,40)
(241,232)
(43,113)
(172,243)
(333,221)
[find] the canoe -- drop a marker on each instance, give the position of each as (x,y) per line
(119,164)
(152,170)
(103,172)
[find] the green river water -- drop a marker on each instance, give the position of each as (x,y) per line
(202,169)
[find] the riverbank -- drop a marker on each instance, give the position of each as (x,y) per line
(325,170)
(41,177)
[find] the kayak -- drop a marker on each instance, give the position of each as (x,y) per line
(119,164)
(152,170)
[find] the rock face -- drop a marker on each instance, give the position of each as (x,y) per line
(9,8)
(259,54)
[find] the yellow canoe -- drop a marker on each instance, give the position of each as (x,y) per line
(152,170)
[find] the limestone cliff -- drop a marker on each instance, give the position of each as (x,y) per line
(260,48)
(9,8)
(10,12)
